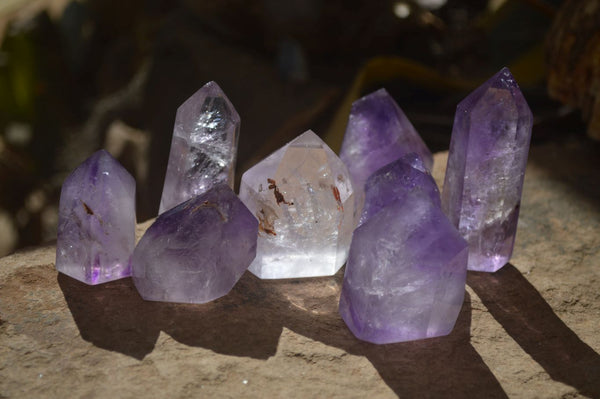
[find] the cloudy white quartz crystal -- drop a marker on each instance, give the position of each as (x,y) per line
(303,199)
(204,146)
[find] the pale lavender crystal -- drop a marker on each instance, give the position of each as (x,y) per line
(197,251)
(96,221)
(204,146)
(396,180)
(486,167)
(405,274)
(378,133)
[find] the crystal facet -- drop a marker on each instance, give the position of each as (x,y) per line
(396,180)
(204,146)
(96,221)
(303,198)
(486,167)
(405,275)
(197,251)
(378,133)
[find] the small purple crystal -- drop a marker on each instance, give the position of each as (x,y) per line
(486,167)
(396,180)
(197,251)
(96,221)
(204,146)
(378,133)
(405,275)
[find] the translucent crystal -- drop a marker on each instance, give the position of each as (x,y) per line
(396,180)
(96,221)
(378,133)
(405,275)
(486,167)
(197,251)
(303,198)
(204,146)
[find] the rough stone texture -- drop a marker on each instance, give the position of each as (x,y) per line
(529,330)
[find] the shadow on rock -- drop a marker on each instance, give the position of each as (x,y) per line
(532,323)
(249,320)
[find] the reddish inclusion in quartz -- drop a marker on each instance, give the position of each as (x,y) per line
(96,221)
(486,168)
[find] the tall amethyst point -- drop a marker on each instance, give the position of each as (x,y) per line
(197,251)
(96,221)
(204,146)
(394,182)
(405,275)
(378,133)
(486,167)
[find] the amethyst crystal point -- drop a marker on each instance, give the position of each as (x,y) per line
(204,146)
(395,181)
(303,199)
(378,133)
(405,275)
(96,221)
(486,167)
(197,251)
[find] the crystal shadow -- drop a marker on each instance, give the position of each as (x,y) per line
(532,323)
(249,321)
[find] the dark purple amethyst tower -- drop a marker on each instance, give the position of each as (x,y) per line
(378,133)
(395,181)
(96,221)
(486,167)
(197,251)
(405,274)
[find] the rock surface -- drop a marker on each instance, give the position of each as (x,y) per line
(529,330)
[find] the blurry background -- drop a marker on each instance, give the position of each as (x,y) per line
(76,76)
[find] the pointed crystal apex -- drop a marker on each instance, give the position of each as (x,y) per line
(96,221)
(196,251)
(378,133)
(486,168)
(204,146)
(303,199)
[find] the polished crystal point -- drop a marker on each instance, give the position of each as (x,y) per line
(96,221)
(303,198)
(394,182)
(405,275)
(486,167)
(204,146)
(378,133)
(197,251)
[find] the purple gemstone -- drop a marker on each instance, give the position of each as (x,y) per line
(486,167)
(405,275)
(197,251)
(204,146)
(395,181)
(96,221)
(378,133)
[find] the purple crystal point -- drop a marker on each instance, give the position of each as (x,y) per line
(395,181)
(378,133)
(204,146)
(486,167)
(405,275)
(96,221)
(197,251)
(303,198)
